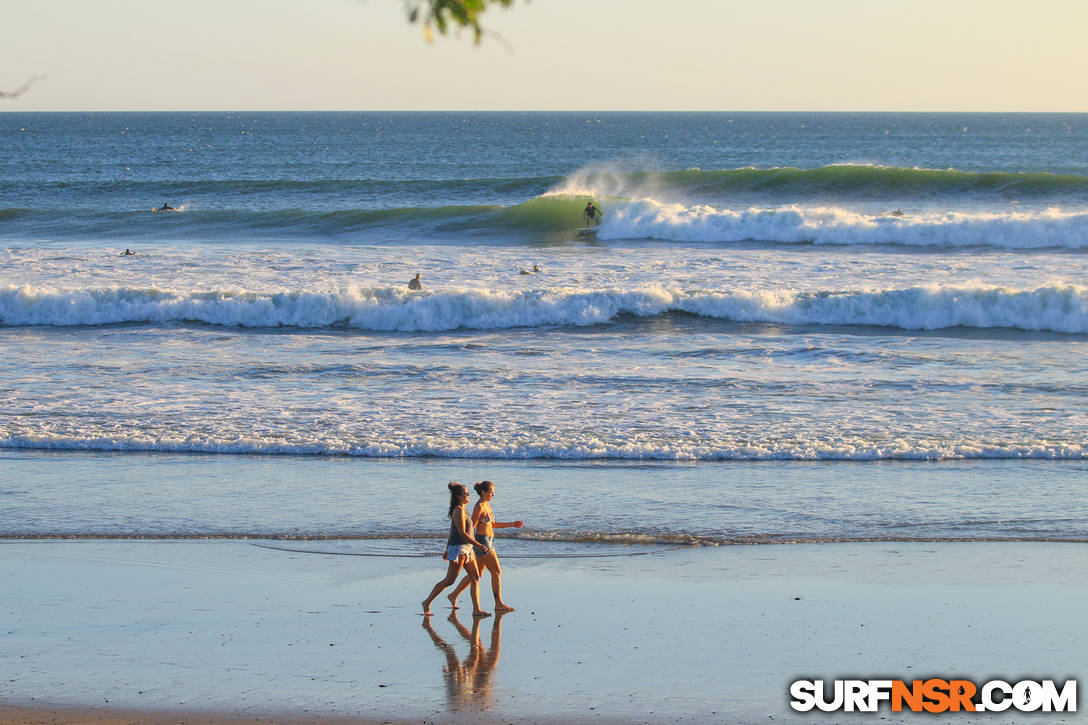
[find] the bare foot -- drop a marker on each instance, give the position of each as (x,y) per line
(481,614)
(426,609)
(453,600)
(503,608)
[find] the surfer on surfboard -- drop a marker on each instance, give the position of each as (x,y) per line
(165,207)
(591,214)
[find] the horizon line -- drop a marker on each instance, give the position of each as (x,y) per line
(532,110)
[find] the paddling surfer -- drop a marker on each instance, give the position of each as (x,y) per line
(415,283)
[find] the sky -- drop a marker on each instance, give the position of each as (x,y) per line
(593,55)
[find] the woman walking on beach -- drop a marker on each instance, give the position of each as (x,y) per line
(459,552)
(484,525)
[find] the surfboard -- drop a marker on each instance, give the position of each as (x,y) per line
(586,232)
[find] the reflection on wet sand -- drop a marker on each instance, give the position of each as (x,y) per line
(468,680)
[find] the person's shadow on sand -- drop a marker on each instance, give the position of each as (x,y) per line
(468,681)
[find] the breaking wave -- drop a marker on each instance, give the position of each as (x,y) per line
(649,219)
(776,205)
(1059,308)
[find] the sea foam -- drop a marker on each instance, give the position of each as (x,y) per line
(794,224)
(963,447)
(1055,308)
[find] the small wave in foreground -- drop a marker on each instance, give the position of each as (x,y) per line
(314,443)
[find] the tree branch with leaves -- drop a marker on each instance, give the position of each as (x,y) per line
(442,15)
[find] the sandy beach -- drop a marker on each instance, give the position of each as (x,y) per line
(209,631)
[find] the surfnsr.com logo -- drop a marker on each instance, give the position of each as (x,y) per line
(933,695)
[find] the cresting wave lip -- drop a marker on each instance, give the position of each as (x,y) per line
(741,450)
(1061,308)
(853,181)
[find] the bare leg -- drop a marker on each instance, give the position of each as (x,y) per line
(474,589)
(457,592)
(451,576)
(491,561)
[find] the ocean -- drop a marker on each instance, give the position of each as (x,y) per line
(788,327)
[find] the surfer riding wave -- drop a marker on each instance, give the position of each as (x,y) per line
(591,214)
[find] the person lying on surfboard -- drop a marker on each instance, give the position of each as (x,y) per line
(591,214)
(165,207)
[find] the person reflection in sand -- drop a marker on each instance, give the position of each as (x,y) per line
(468,681)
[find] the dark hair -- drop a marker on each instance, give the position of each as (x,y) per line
(483,486)
(456,492)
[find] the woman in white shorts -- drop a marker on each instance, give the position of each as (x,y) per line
(459,552)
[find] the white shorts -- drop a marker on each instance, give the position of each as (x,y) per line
(456,550)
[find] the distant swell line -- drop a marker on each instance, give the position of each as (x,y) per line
(329,186)
(851,180)
(1059,308)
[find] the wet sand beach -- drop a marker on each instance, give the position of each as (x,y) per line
(46,715)
(211,631)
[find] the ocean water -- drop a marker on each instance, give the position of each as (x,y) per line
(787,327)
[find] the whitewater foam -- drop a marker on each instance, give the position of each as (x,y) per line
(815,449)
(1055,308)
(793,224)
